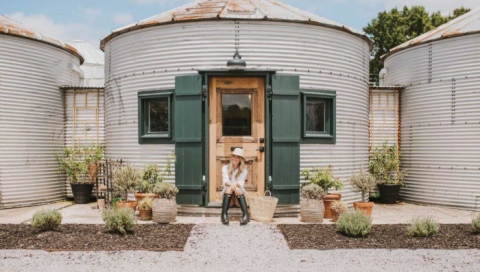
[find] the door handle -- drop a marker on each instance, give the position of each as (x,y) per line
(262,140)
(261,149)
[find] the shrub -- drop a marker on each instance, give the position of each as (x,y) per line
(423,227)
(45,220)
(354,223)
(313,191)
(363,182)
(126,179)
(165,190)
(476,224)
(119,220)
(339,205)
(385,164)
(146,203)
(322,177)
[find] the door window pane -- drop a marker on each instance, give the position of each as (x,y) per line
(158,115)
(237,114)
(315,111)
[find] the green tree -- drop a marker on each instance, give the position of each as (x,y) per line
(396,26)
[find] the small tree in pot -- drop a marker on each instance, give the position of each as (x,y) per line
(72,164)
(125,180)
(326,180)
(165,207)
(363,182)
(312,208)
(385,166)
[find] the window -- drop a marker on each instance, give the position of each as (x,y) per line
(319,117)
(155,117)
(237,114)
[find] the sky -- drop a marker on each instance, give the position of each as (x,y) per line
(92,20)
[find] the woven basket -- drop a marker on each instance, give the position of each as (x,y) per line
(262,208)
(311,210)
(164,210)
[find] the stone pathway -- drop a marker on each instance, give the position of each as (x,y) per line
(255,247)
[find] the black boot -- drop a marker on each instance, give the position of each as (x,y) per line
(243,205)
(225,206)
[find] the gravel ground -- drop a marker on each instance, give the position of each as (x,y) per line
(255,247)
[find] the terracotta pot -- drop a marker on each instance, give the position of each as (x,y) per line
(132,204)
(327,201)
(140,196)
(101,204)
(145,214)
(335,214)
(366,207)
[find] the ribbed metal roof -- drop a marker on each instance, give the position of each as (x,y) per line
(469,23)
(235,10)
(91,54)
(12,27)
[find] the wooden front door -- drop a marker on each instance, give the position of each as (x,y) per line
(237,120)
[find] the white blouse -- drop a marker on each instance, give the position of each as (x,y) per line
(240,180)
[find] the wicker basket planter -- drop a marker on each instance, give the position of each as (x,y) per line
(311,210)
(164,210)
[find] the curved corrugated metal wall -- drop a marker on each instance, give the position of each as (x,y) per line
(440,113)
(32,120)
(325,58)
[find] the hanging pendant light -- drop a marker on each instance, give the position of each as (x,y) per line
(236,62)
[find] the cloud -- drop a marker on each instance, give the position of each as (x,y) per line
(123,18)
(444,6)
(66,32)
(93,12)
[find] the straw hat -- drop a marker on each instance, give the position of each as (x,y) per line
(238,152)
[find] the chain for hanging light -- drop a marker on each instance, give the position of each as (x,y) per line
(237,62)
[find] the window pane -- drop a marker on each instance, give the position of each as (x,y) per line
(237,114)
(158,115)
(315,110)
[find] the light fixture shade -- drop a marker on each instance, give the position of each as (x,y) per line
(236,62)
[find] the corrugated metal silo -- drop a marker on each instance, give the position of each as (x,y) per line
(32,67)
(440,113)
(149,54)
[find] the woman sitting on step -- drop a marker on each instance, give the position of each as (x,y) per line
(234,176)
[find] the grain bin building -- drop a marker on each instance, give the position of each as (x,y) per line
(302,100)
(32,67)
(440,113)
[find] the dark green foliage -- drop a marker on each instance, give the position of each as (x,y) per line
(396,26)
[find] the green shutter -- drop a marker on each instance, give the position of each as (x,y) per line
(286,131)
(188,139)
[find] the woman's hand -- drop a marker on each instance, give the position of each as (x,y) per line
(228,184)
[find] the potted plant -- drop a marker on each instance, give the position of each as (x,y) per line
(75,169)
(93,156)
(165,207)
(363,182)
(125,180)
(145,208)
(101,203)
(151,176)
(312,208)
(337,208)
(325,179)
(384,165)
